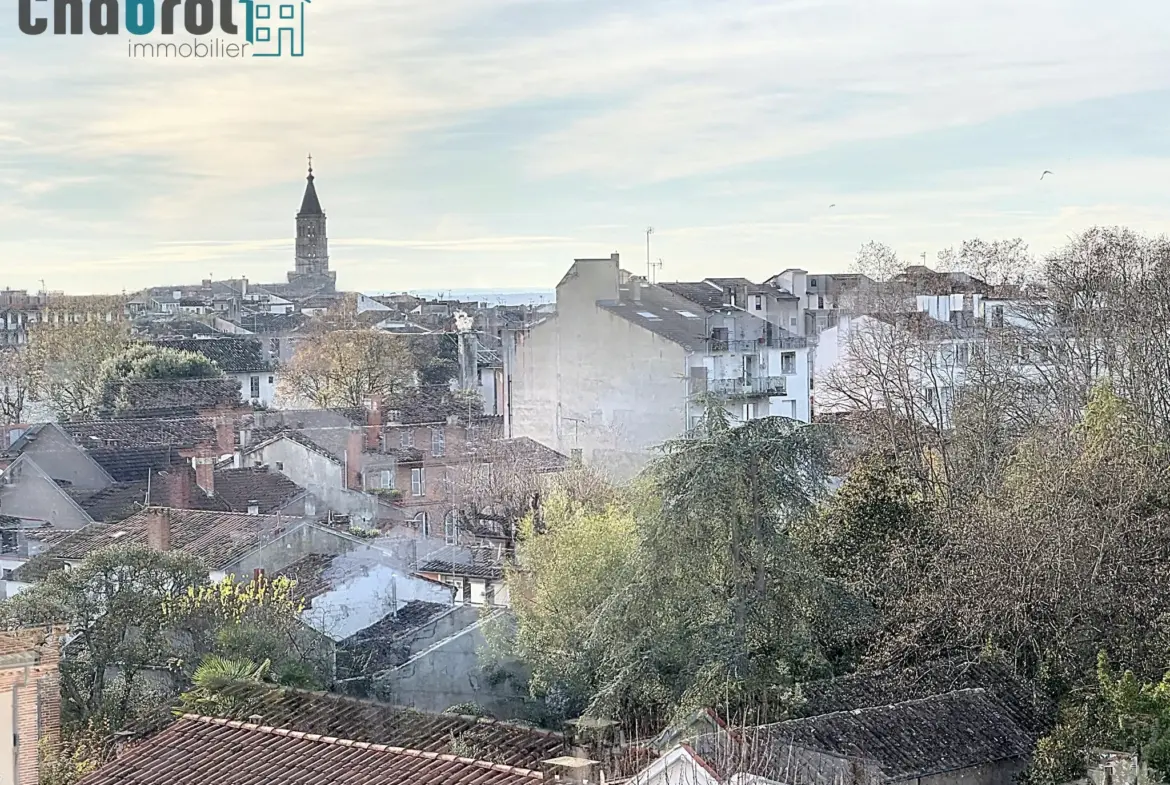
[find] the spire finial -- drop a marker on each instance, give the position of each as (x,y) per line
(310,164)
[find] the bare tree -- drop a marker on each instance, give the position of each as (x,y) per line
(17,380)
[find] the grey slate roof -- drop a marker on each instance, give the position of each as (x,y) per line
(665,314)
(310,204)
(882,688)
(918,738)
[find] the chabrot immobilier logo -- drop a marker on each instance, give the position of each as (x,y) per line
(272,28)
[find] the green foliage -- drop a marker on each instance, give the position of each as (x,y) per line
(687,592)
(252,621)
(113,602)
(876,533)
(211,693)
(148,361)
(1136,715)
(79,754)
(144,361)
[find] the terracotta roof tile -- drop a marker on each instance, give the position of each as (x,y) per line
(205,751)
(141,432)
(362,721)
(232,354)
(176,397)
(271,490)
(218,539)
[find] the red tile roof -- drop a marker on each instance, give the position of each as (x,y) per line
(218,539)
(206,751)
(330,714)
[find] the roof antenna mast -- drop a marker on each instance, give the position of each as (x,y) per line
(649,231)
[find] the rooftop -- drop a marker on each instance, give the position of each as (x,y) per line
(663,313)
(231,353)
(177,397)
(904,741)
(485,571)
(219,539)
(207,751)
(239,488)
(330,714)
(168,432)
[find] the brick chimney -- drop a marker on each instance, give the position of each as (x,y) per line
(225,437)
(176,487)
(353,460)
(158,528)
(205,473)
(373,423)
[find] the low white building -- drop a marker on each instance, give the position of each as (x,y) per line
(621,366)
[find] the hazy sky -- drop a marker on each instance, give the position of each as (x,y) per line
(480,143)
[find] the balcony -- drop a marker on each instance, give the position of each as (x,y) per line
(755,387)
(719,345)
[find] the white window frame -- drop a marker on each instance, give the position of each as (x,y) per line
(388,478)
(418,482)
(438,442)
(451,528)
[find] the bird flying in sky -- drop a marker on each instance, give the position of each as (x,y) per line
(1046,172)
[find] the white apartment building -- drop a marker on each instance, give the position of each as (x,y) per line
(618,369)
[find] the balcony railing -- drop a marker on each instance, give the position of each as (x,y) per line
(755,387)
(718,346)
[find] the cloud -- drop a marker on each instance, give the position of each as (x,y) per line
(497,139)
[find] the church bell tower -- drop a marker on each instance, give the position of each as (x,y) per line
(312,259)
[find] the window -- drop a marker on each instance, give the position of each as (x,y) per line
(451,528)
(387,478)
(272,380)
(255,386)
(788,363)
(962,354)
(820,303)
(647,315)
(812,283)
(280,466)
(423,524)
(286,12)
(262,12)
(418,482)
(686,314)
(719,339)
(575,454)
(407,437)
(758,303)
(263,34)
(438,442)
(274,347)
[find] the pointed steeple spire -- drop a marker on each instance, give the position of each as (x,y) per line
(310,205)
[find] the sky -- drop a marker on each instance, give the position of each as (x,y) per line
(487,143)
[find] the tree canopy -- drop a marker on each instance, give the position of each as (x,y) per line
(347,367)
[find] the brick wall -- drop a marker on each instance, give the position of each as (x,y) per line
(35,685)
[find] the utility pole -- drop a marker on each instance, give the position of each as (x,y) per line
(649,231)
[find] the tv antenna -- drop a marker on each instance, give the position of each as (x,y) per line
(650,270)
(649,231)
